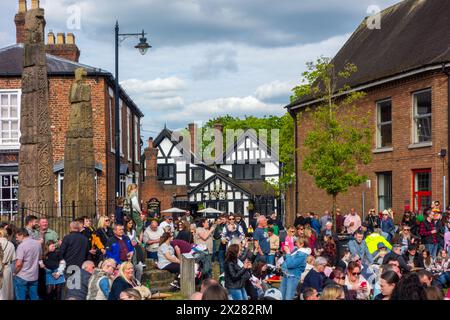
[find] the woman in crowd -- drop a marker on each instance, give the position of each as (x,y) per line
(388,281)
(183,232)
(409,288)
(310,260)
(293,266)
(444,268)
(359,288)
(54,267)
(337,277)
(132,207)
(130,230)
(124,281)
(310,234)
(290,238)
(104,230)
(387,225)
(167,260)
(204,235)
(332,292)
(428,262)
(101,280)
(193,231)
(236,273)
(130,294)
(406,238)
(372,220)
(9,255)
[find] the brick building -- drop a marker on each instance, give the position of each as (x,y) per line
(62,60)
(404,70)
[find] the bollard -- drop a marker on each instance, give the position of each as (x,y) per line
(187,276)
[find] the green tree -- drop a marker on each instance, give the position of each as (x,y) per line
(340,139)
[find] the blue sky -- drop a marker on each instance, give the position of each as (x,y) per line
(209,57)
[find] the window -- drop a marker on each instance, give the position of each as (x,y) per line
(384,124)
(198,175)
(9,189)
(166,171)
(111,123)
(123,185)
(129,134)
(422,116)
(137,139)
(10,114)
(384,190)
(239,206)
(223,206)
(247,172)
(422,189)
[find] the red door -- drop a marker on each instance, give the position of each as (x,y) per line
(422,189)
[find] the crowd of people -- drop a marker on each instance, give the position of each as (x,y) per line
(316,258)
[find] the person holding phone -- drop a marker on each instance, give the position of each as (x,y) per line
(357,285)
(236,273)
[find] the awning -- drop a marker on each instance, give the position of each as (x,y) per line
(59,166)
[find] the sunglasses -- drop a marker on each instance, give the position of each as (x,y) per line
(107,220)
(231,219)
(406,229)
(356,273)
(341,278)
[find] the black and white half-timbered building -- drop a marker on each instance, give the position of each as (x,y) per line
(236,182)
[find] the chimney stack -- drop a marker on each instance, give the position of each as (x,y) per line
(35,4)
(64,47)
(193,135)
(19,20)
(151,165)
(51,38)
(218,139)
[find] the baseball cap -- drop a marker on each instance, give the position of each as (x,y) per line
(381,245)
(273,294)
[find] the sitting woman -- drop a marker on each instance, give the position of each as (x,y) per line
(167,259)
(358,287)
(388,281)
(124,281)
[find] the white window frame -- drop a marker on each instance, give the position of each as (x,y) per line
(137,140)
(129,133)
(379,124)
(13,146)
(415,117)
(121,104)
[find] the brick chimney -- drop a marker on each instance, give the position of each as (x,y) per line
(19,20)
(65,46)
(218,139)
(151,154)
(193,129)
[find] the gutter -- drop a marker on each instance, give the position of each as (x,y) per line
(374,84)
(448,126)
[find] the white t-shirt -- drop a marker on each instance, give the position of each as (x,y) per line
(162,260)
(149,234)
(165,224)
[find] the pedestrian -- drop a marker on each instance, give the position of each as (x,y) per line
(104,230)
(119,214)
(6,266)
(324,219)
(26,272)
(292,267)
(359,288)
(261,240)
(167,224)
(124,281)
(428,233)
(387,225)
(316,276)
(167,260)
(151,239)
(358,246)
(77,284)
(54,267)
(119,247)
(236,273)
(274,242)
(74,247)
(32,226)
(132,208)
(373,220)
(100,282)
(48,234)
(352,222)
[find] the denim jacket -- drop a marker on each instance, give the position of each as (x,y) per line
(295,263)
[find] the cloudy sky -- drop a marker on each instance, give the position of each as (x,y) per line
(209,57)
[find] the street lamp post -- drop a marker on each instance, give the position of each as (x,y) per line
(143,46)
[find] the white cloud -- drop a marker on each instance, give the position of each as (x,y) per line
(170,84)
(273,89)
(214,63)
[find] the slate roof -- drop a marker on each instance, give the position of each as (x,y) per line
(11,65)
(414,34)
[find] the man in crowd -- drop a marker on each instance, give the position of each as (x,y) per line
(428,233)
(221,246)
(324,219)
(119,247)
(167,224)
(46,233)
(151,239)
(261,240)
(396,253)
(78,283)
(339,221)
(74,247)
(352,222)
(26,272)
(358,246)
(32,226)
(274,242)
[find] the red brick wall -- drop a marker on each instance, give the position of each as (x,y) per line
(401,161)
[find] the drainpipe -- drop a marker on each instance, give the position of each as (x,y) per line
(448,125)
(294,116)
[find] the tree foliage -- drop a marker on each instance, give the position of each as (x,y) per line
(340,139)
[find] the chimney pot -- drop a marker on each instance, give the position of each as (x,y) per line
(35,4)
(150,143)
(51,38)
(193,136)
(61,38)
(70,38)
(22,6)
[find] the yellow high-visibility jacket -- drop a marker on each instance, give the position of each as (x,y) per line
(373,240)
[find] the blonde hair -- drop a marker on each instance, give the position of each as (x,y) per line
(332,292)
(131,187)
(3,233)
(107,261)
(125,265)
(101,222)
(310,260)
(308,231)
